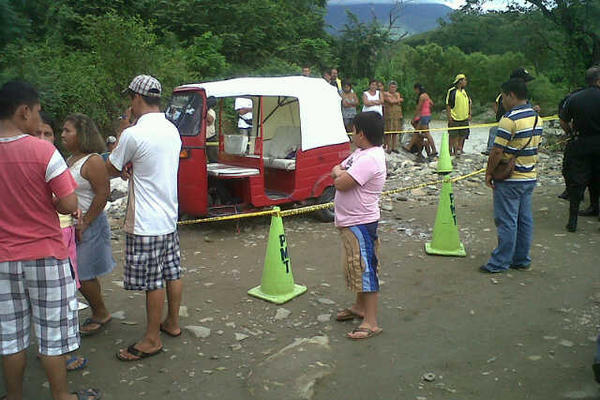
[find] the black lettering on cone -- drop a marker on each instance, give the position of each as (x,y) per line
(283,250)
(453,207)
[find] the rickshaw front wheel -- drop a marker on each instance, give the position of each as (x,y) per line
(326,215)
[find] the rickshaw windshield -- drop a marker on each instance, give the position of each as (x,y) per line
(185,111)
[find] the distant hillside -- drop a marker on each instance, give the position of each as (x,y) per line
(414,18)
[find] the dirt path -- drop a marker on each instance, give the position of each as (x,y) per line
(522,335)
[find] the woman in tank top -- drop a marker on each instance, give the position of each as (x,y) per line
(422,140)
(94,253)
(373,98)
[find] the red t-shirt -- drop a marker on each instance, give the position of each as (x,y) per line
(31,170)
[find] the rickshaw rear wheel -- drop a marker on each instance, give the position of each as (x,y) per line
(326,215)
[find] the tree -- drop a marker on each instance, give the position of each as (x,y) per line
(579,20)
(359,46)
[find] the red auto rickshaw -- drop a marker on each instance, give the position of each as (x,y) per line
(295,137)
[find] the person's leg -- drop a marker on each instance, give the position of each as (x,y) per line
(174,292)
(143,271)
(55,319)
(594,191)
(506,208)
(521,257)
(92,291)
(56,371)
(431,143)
(578,180)
(13,368)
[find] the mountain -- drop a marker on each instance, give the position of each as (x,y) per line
(414,17)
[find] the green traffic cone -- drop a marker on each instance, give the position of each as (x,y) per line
(445,240)
(444,162)
(277,284)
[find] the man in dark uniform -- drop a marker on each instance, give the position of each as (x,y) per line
(580,113)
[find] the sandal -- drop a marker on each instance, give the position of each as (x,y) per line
(137,353)
(346,315)
(73,360)
(369,333)
(88,394)
(90,321)
(169,333)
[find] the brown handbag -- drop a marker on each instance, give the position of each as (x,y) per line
(505,167)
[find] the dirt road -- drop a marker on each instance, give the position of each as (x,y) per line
(521,335)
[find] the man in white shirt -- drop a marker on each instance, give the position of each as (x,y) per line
(243,106)
(148,154)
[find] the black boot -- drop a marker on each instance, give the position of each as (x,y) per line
(591,211)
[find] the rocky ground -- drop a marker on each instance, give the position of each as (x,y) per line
(449,331)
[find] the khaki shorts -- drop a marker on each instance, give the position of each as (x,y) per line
(459,132)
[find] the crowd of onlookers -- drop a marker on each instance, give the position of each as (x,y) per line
(55,236)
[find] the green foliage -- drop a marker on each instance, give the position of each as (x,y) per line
(82,54)
(360,45)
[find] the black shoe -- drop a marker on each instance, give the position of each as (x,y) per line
(485,153)
(564,195)
(589,212)
(596,368)
(571,227)
(525,267)
(484,270)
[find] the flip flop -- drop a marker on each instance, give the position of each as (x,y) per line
(346,315)
(169,333)
(370,333)
(73,360)
(88,394)
(90,321)
(137,353)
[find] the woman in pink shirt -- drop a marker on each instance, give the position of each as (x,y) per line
(421,122)
(359,180)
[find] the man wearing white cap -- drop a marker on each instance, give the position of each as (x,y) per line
(148,154)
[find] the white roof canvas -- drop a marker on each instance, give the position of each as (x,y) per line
(321,121)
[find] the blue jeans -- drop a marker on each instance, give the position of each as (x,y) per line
(514,221)
(492,137)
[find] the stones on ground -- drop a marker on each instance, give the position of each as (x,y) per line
(566,343)
(534,358)
(282,313)
(120,315)
(291,373)
(428,377)
(183,312)
(325,301)
(324,318)
(201,332)
(241,336)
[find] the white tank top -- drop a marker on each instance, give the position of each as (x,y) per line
(84,191)
(377,108)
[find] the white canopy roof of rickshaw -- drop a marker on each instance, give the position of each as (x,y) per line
(319,103)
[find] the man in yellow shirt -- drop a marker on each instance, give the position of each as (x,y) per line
(458,109)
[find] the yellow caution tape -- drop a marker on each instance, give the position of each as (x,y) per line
(317,207)
(486,125)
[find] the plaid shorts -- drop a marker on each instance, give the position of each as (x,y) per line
(44,289)
(151,260)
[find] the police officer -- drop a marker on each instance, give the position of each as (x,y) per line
(580,113)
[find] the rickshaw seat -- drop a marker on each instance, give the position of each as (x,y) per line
(230,171)
(278,150)
(288,164)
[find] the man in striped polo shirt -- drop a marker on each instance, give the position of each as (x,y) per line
(519,135)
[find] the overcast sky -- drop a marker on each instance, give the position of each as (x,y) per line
(490,4)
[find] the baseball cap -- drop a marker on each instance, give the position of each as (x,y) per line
(111,140)
(459,77)
(521,73)
(145,85)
